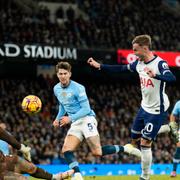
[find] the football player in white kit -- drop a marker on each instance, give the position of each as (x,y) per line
(153,73)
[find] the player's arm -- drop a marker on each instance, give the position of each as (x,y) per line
(84,110)
(5,136)
(60,114)
(83,102)
(112,68)
(165,73)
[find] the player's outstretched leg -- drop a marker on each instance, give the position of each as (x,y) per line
(164,129)
(130,149)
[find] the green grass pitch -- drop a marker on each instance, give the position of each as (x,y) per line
(130,177)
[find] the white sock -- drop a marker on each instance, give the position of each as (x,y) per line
(54,176)
(164,128)
(146,161)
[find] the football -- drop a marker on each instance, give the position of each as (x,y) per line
(31,104)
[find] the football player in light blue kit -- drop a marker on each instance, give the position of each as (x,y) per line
(74,108)
(176,133)
(153,73)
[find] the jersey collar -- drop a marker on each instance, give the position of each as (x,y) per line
(155,56)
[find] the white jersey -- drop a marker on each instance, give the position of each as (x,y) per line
(154,98)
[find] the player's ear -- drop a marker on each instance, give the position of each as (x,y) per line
(70,73)
(145,48)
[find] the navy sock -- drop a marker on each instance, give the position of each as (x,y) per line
(175,166)
(177,153)
(176,159)
(71,160)
(111,149)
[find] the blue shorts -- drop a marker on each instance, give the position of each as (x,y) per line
(147,125)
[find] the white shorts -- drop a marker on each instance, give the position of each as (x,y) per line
(84,128)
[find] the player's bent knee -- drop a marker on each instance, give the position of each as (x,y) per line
(32,168)
(65,149)
(97,153)
(146,142)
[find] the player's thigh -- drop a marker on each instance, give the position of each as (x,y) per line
(138,125)
(91,134)
(94,145)
(153,123)
(24,166)
(71,143)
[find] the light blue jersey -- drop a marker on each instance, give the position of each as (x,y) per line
(4,147)
(176,109)
(73,100)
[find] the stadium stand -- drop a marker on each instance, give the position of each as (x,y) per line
(106,25)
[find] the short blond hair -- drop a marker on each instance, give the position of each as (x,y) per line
(143,40)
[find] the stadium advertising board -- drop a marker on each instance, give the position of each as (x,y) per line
(27,51)
(112,169)
(46,53)
(127,56)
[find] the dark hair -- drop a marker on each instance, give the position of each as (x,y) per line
(63,65)
(143,40)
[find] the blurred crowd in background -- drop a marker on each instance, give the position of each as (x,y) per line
(115,105)
(104,25)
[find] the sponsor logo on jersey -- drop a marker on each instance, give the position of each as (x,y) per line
(146,82)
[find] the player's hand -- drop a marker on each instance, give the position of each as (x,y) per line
(173,125)
(93,63)
(26,152)
(64,120)
(174,131)
(56,123)
(150,73)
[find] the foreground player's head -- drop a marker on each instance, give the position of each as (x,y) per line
(141,46)
(63,70)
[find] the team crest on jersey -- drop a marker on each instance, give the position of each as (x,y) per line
(146,82)
(63,94)
(165,65)
(145,69)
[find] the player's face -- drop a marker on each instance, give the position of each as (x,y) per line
(140,51)
(64,76)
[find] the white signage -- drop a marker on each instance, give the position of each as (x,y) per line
(36,51)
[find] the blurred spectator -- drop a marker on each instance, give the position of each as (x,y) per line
(60,13)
